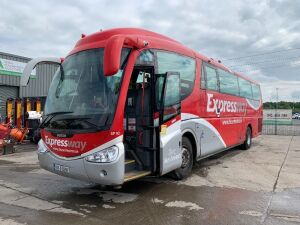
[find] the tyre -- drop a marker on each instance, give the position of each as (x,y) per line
(248,141)
(187,160)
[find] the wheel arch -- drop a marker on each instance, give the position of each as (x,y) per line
(192,138)
(251,127)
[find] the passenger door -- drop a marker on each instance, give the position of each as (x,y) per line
(169,105)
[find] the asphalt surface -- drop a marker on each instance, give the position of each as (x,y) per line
(258,186)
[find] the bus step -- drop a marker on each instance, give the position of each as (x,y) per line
(129,161)
(135,174)
(130,164)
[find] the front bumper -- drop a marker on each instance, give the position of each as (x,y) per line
(78,168)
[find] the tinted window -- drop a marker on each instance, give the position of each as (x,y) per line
(145,58)
(171,62)
(211,78)
(82,90)
(172,97)
(228,83)
(172,92)
(256,91)
(245,88)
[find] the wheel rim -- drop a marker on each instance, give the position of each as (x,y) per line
(248,138)
(186,157)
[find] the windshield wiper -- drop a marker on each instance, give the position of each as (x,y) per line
(59,112)
(50,116)
(62,77)
(85,119)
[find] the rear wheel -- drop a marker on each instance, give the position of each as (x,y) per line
(187,160)
(248,140)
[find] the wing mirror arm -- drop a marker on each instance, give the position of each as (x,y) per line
(32,64)
(113,50)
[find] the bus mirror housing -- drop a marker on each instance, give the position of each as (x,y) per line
(32,64)
(113,50)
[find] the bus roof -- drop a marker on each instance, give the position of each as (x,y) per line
(156,41)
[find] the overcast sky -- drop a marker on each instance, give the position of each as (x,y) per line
(219,29)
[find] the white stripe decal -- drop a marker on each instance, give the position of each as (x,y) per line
(204,123)
(187,116)
(253,106)
(105,145)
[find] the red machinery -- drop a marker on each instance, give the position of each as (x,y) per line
(9,134)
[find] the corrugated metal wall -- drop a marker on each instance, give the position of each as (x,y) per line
(37,87)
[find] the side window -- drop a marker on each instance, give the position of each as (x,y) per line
(228,83)
(256,91)
(184,65)
(245,88)
(146,57)
(211,78)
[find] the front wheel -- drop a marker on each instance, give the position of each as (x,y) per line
(248,141)
(187,160)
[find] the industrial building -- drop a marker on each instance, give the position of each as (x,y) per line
(11,67)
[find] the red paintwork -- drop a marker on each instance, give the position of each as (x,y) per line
(96,139)
(195,103)
(113,49)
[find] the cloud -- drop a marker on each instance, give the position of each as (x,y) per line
(296,94)
(220,29)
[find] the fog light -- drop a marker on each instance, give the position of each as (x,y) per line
(104,156)
(103,173)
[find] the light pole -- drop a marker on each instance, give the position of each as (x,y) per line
(276,107)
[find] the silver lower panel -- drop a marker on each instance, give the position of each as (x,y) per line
(100,173)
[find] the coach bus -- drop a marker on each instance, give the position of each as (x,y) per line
(127,103)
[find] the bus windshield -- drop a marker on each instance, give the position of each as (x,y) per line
(80,89)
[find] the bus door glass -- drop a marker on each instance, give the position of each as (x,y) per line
(169,105)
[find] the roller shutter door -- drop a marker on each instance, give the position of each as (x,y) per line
(5,93)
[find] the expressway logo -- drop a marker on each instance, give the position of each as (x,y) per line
(65,143)
(224,105)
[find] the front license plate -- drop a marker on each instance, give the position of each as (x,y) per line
(60,168)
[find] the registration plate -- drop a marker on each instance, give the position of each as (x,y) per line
(60,168)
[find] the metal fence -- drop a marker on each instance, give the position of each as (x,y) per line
(288,130)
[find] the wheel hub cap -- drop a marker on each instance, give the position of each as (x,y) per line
(185,157)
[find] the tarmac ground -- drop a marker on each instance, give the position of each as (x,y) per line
(257,186)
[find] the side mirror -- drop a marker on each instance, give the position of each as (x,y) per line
(112,55)
(32,64)
(113,50)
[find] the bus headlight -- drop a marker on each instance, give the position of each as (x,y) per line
(104,156)
(42,148)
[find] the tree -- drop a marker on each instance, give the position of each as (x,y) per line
(295,106)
